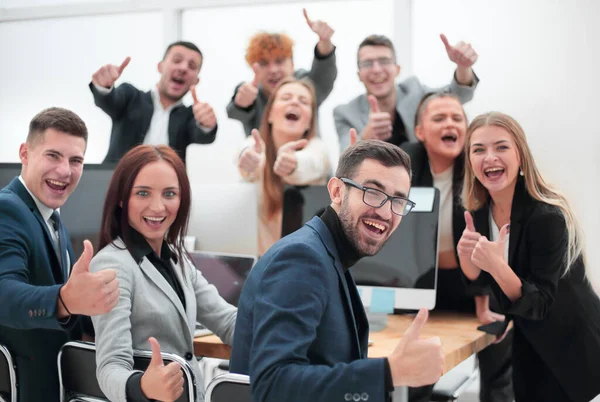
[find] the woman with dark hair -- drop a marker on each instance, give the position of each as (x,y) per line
(286,151)
(536,269)
(438,161)
(162,296)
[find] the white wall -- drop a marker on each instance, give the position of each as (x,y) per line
(538,61)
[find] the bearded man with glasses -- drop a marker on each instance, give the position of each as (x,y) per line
(302,332)
(387,111)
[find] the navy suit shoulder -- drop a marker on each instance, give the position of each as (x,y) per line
(295,332)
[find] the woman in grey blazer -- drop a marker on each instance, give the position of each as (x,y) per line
(162,294)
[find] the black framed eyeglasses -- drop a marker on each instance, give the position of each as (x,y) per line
(376,198)
(369,63)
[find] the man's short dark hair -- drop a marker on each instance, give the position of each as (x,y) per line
(377,40)
(59,119)
(389,155)
(188,45)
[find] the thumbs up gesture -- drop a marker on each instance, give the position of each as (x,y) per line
(324,31)
(203,112)
(488,255)
(160,382)
(353,136)
(286,161)
(90,293)
(416,362)
(247,92)
(379,126)
(107,75)
(252,156)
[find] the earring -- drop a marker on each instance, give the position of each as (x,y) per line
(521,172)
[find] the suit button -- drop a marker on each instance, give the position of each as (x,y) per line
(35,313)
(43,312)
(39,312)
(364,396)
(189,356)
(356,397)
(348,396)
(30,313)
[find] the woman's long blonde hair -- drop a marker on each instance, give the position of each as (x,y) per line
(475,195)
(272,183)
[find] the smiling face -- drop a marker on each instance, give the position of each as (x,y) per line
(366,227)
(494,157)
(377,70)
(442,128)
(154,202)
(179,71)
(52,166)
(291,113)
(272,71)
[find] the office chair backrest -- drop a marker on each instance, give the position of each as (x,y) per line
(8,376)
(229,388)
(77,372)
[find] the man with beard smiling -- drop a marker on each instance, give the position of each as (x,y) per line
(302,332)
(158,116)
(387,111)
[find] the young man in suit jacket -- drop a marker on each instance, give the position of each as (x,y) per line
(386,111)
(301,331)
(42,289)
(159,115)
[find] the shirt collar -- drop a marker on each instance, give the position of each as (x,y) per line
(346,250)
(45,211)
(156,100)
(140,248)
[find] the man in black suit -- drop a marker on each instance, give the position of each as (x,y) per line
(43,291)
(159,115)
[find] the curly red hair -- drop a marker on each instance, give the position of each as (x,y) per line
(268,46)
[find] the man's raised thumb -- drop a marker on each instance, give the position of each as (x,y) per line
(156,356)
(83,264)
(413,332)
(374,104)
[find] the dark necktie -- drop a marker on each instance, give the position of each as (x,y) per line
(62,244)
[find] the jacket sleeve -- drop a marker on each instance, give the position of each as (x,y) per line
(291,300)
(21,302)
(197,135)
(239,113)
(463,92)
(323,73)
(114,345)
(546,239)
(342,126)
(113,103)
(312,164)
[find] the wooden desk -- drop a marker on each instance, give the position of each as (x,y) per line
(458,332)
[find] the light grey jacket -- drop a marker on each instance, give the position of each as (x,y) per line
(355,114)
(148,306)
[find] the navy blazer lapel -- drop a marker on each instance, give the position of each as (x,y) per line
(17,187)
(521,205)
(317,224)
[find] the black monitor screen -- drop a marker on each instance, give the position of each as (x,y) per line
(82,212)
(407,260)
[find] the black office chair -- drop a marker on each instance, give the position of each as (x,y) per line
(77,373)
(229,388)
(8,376)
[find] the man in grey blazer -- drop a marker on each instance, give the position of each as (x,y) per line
(387,111)
(270,56)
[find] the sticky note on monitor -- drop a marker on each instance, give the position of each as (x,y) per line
(382,300)
(423,198)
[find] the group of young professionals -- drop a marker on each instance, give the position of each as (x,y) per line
(300,331)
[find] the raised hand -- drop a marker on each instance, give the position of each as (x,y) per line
(90,293)
(324,31)
(379,126)
(203,112)
(160,382)
(488,255)
(247,92)
(251,156)
(462,53)
(107,75)
(416,362)
(465,248)
(286,161)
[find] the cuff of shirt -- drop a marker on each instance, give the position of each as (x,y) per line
(389,381)
(320,56)
(133,388)
(103,90)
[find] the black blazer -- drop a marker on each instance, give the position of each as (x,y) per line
(131,112)
(30,279)
(558,317)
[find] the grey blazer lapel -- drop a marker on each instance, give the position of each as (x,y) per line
(152,273)
(190,298)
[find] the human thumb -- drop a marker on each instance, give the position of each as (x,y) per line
(83,263)
(413,332)
(469,221)
(156,359)
(374,104)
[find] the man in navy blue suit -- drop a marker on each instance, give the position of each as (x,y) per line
(42,289)
(301,331)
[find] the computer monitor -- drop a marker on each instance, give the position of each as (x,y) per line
(82,213)
(408,261)
(224,217)
(227,272)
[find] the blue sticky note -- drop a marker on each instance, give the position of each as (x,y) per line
(382,301)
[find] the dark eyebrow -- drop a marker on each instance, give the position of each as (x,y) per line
(382,187)
(495,143)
